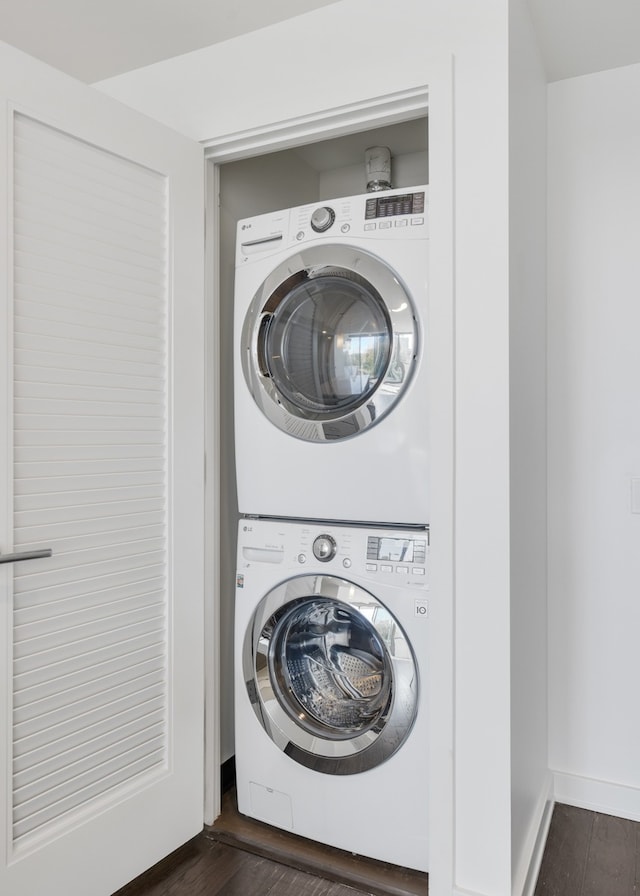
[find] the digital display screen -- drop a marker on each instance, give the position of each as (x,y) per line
(382,206)
(395,549)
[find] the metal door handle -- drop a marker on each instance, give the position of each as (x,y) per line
(25,555)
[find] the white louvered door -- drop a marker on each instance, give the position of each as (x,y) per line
(101,455)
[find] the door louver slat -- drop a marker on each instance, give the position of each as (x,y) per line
(107,597)
(90,365)
(34,814)
(85,757)
(40,707)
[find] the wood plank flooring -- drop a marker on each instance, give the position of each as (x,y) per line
(590,854)
(239,856)
(586,854)
(204,867)
(368,875)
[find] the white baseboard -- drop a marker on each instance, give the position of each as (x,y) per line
(458,892)
(585,793)
(526,877)
(599,796)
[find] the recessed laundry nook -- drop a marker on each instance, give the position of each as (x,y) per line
(325,328)
(318,527)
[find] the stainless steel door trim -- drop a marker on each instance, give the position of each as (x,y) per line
(329,740)
(307,420)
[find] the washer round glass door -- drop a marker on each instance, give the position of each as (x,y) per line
(330,674)
(328,348)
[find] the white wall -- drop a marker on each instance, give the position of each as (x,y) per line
(594,438)
(374,48)
(530,777)
(408,170)
(326,59)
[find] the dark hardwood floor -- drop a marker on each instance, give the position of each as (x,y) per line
(587,854)
(205,867)
(590,854)
(337,865)
(239,856)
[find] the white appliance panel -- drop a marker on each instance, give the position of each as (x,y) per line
(307,467)
(380,812)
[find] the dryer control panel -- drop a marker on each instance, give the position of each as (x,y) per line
(390,215)
(393,214)
(384,206)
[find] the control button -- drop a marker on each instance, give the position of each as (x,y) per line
(417,571)
(402,222)
(346,563)
(300,235)
(384,567)
(372,547)
(415,221)
(370,226)
(403,569)
(322,218)
(421,609)
(371,567)
(385,224)
(345,228)
(302,558)
(324,548)
(418,202)
(420,552)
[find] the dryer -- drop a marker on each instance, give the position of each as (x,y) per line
(331,642)
(330,379)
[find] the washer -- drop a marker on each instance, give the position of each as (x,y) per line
(331,642)
(331,391)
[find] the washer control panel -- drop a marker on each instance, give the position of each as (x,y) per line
(398,556)
(388,553)
(381,556)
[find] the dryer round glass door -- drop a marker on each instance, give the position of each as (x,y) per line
(330,674)
(329,343)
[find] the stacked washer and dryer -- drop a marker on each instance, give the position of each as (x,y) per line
(331,431)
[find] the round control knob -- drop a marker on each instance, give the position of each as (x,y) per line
(322,219)
(324,548)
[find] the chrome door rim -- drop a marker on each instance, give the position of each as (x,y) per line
(305,420)
(308,741)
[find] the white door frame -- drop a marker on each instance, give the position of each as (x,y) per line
(372,112)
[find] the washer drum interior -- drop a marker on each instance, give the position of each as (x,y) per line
(330,674)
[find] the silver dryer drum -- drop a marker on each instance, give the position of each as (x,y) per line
(330,674)
(328,348)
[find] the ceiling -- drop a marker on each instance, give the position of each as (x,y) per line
(577,37)
(96,39)
(93,40)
